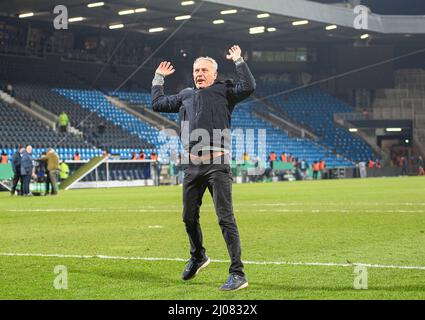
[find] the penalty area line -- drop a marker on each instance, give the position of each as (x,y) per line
(247,262)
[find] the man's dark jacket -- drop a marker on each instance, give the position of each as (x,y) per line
(16,162)
(26,164)
(208,108)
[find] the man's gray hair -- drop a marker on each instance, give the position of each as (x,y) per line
(215,64)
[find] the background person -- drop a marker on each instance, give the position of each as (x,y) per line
(322,167)
(4,158)
(272,159)
(52,160)
(142,155)
(316,169)
(421,171)
(63,121)
(16,166)
(63,171)
(27,171)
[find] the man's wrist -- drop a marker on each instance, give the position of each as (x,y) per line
(239,61)
(158,80)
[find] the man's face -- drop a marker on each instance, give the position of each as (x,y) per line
(204,74)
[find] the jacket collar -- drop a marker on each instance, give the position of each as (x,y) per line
(215,82)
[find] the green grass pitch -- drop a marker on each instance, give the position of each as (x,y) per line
(373,221)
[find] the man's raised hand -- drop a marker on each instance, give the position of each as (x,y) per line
(165,68)
(234,53)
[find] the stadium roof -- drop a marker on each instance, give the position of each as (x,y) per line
(163,14)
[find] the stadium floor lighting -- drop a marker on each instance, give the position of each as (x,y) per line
(218,21)
(26,15)
(187,3)
(231,11)
(263,15)
(152,30)
(76,19)
(125,12)
(271,29)
(353,130)
(364,36)
(393,129)
(116,26)
(96,4)
(182,17)
(139,10)
(331,27)
(300,22)
(256,30)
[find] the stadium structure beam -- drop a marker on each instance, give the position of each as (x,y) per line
(331,14)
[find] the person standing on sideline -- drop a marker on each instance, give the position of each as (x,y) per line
(63,171)
(4,158)
(205,107)
(362,169)
(52,160)
(272,159)
(16,166)
(303,168)
(316,169)
(154,156)
(421,166)
(322,166)
(27,171)
(290,158)
(405,166)
(142,155)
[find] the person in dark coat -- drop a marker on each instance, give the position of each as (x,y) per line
(16,166)
(208,106)
(27,171)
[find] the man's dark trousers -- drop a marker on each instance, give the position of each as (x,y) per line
(16,178)
(218,179)
(51,180)
(26,180)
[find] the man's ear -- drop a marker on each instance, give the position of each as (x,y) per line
(215,75)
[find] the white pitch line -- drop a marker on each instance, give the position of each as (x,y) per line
(316,264)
